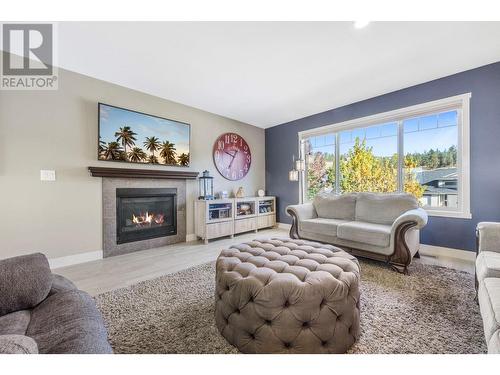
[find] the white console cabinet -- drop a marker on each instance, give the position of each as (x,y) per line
(226,217)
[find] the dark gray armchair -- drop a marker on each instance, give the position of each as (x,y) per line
(45,313)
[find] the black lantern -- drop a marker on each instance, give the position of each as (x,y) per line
(206,186)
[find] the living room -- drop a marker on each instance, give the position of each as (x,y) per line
(263,187)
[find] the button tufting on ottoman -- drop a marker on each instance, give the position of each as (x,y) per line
(281,295)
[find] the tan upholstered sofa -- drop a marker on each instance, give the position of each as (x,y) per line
(488,282)
(373,225)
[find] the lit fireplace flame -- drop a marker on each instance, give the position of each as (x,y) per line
(148,219)
(159,219)
(142,219)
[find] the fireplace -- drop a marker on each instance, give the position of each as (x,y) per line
(143,214)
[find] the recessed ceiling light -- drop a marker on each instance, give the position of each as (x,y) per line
(360,24)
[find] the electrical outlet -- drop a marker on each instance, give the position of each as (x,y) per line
(47,175)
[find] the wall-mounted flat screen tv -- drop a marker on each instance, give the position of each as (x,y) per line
(135,137)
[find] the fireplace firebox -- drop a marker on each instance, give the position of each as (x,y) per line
(143,214)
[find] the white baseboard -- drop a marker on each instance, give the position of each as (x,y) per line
(437,251)
(75,259)
(284,226)
(427,250)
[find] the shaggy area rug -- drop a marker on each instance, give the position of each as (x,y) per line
(432,310)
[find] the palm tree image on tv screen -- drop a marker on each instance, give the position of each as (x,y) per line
(135,137)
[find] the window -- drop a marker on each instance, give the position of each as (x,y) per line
(430,149)
(369,159)
(320,165)
(422,150)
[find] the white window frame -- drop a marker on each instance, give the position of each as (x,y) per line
(460,103)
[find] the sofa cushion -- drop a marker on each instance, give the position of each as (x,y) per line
(61,284)
(489,303)
(25,281)
(15,323)
(487,265)
(383,208)
(494,344)
(68,322)
(321,226)
(332,206)
(17,344)
(369,233)
(489,236)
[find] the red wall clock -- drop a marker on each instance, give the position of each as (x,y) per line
(232,156)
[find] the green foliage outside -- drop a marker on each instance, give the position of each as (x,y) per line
(361,170)
(319,175)
(433,159)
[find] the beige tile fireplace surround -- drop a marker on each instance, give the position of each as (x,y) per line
(109,186)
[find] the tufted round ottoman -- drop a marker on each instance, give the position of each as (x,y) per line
(287,296)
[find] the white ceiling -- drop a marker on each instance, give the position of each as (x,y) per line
(265,74)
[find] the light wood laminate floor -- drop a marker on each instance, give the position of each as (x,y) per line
(120,271)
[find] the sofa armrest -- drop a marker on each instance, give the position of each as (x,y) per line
(17,344)
(61,284)
(404,239)
(302,211)
(25,281)
(488,236)
(418,215)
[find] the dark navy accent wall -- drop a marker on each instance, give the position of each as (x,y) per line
(483,83)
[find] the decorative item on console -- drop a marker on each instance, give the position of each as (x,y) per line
(206,186)
(240,193)
(265,207)
(244,209)
(261,193)
(223,194)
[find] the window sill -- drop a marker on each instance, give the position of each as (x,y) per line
(451,214)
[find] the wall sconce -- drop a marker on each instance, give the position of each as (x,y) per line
(300,165)
(293,175)
(309,158)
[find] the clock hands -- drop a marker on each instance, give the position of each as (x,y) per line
(233,155)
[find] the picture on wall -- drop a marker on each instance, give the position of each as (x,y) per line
(135,137)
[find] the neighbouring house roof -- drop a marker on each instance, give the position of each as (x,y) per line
(441,174)
(431,190)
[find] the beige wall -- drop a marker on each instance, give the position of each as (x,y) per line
(58,130)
